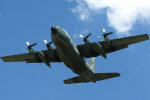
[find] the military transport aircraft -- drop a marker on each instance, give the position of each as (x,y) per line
(73,56)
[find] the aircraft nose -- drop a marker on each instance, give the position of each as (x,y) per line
(54,30)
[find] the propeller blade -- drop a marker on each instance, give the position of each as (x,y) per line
(88,35)
(30,47)
(104,30)
(81,36)
(33,44)
(27,43)
(45,41)
(50,43)
(109,33)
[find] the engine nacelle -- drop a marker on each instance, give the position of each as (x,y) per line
(44,59)
(99,49)
(50,48)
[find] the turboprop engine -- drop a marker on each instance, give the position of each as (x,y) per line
(96,47)
(44,58)
(40,54)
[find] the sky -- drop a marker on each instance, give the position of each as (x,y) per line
(31,20)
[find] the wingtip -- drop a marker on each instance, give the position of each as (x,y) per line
(118,74)
(2,58)
(147,36)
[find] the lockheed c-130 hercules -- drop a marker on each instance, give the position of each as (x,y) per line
(73,56)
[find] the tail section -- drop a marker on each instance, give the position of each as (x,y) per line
(96,77)
(92,64)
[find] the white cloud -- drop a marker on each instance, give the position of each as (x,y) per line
(82,10)
(121,14)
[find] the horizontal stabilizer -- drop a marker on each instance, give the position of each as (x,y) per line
(96,77)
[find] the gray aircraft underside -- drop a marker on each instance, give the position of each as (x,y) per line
(74,56)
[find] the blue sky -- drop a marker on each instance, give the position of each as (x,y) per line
(30,20)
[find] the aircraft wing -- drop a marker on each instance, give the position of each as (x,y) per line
(32,57)
(89,50)
(96,77)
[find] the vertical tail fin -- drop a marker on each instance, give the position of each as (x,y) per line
(92,64)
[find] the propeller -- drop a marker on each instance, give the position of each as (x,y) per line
(88,35)
(45,41)
(30,46)
(85,39)
(27,43)
(106,34)
(81,36)
(104,30)
(48,44)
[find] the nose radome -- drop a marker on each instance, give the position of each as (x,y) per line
(53,28)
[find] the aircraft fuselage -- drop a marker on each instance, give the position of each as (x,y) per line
(69,53)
